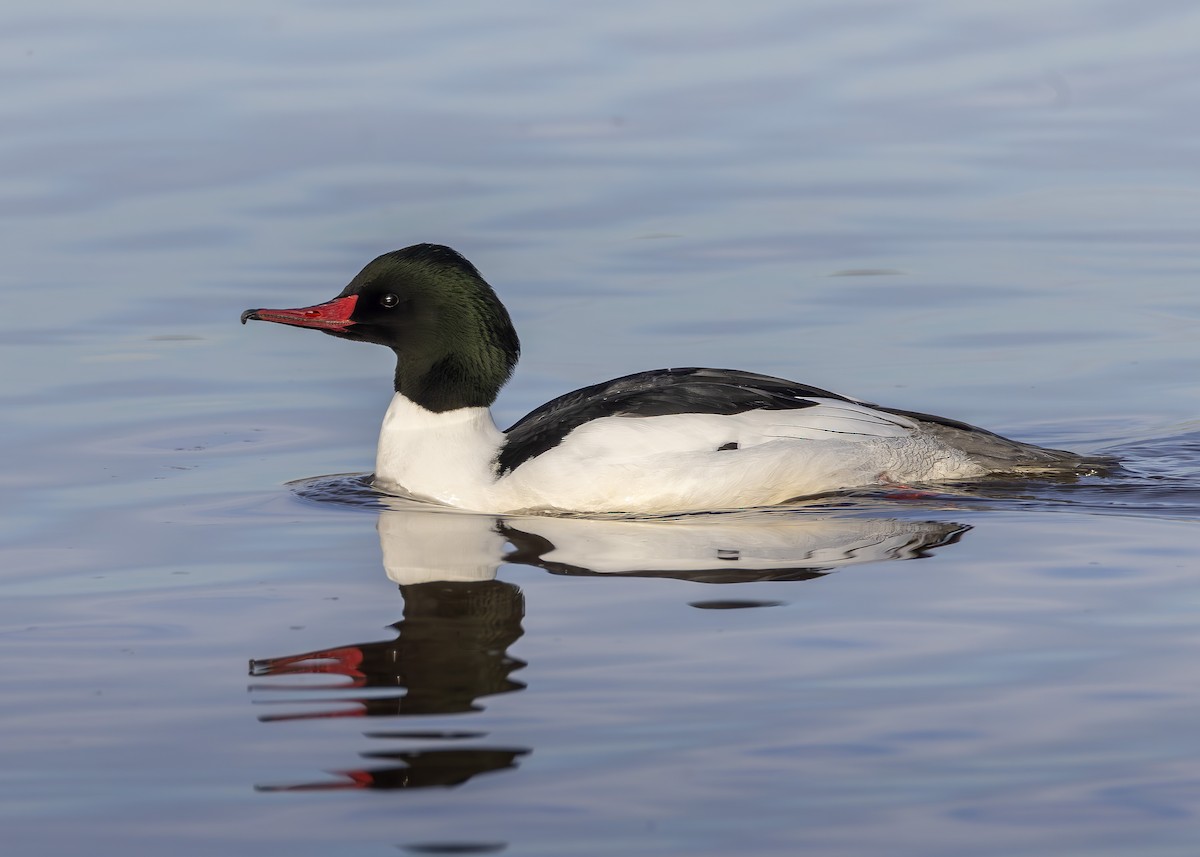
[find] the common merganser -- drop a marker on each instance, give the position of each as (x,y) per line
(669,440)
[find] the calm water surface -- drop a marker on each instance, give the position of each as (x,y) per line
(984,210)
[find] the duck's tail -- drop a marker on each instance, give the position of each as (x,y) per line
(1002,455)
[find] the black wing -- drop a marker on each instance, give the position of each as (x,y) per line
(652,394)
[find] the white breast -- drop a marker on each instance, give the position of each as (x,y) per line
(445,456)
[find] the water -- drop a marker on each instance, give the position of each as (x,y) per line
(981,210)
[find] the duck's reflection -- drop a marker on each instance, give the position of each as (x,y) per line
(419,769)
(719,548)
(450,648)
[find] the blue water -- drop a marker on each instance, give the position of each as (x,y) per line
(217,640)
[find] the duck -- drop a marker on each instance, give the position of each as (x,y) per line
(664,441)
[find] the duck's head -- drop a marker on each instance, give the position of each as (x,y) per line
(454,342)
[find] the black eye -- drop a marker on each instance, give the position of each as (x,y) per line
(389,300)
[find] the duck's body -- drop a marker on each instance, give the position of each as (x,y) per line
(600,451)
(670,440)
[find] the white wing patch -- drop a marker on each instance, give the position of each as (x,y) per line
(624,438)
(832,418)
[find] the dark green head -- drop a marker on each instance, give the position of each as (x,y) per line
(455,344)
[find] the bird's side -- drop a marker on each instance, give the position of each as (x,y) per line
(669,440)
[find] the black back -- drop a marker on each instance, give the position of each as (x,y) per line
(652,394)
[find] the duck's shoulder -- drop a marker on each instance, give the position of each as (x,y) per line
(650,394)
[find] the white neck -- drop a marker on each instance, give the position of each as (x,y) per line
(447,457)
